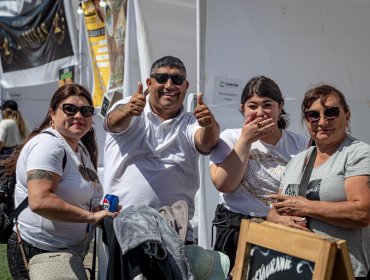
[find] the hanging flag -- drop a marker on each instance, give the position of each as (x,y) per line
(98,49)
(35,45)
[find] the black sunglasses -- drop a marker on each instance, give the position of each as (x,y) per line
(71,110)
(88,174)
(162,78)
(314,116)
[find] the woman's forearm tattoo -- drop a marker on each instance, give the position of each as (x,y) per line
(40,175)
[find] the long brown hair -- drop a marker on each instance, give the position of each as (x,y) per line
(62,93)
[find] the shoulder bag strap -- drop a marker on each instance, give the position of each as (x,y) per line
(18,210)
(65,156)
(307,174)
(93,268)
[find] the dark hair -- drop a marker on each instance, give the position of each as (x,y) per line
(263,86)
(62,93)
(9,104)
(322,92)
(168,61)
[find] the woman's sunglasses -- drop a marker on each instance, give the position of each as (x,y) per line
(329,114)
(90,176)
(71,110)
(162,78)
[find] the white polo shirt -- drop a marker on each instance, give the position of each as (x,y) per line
(153,162)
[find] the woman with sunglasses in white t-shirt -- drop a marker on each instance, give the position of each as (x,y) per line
(56,170)
(337,198)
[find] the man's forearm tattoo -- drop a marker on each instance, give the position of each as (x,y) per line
(40,175)
(121,107)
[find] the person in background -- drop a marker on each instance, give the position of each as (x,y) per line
(55,169)
(248,163)
(337,200)
(153,145)
(13,128)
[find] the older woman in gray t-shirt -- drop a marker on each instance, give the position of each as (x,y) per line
(337,199)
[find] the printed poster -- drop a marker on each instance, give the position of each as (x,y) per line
(115,26)
(98,48)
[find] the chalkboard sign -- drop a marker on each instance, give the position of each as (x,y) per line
(269,251)
(269,264)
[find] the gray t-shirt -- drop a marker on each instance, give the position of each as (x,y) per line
(326,183)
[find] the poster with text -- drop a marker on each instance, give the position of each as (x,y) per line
(98,48)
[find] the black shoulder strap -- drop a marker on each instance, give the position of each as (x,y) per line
(65,155)
(24,203)
(18,210)
(307,174)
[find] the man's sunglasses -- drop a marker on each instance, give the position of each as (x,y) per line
(329,114)
(162,78)
(71,110)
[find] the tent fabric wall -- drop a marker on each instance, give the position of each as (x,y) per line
(154,29)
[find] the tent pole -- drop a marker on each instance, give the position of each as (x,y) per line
(202,218)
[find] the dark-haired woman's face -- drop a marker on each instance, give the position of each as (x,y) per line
(262,106)
(72,127)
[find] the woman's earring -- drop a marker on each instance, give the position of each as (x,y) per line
(51,123)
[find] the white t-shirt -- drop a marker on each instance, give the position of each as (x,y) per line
(153,162)
(265,169)
(9,133)
(46,152)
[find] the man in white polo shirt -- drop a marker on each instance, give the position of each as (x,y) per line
(152,145)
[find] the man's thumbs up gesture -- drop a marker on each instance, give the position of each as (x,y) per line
(137,101)
(203,115)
